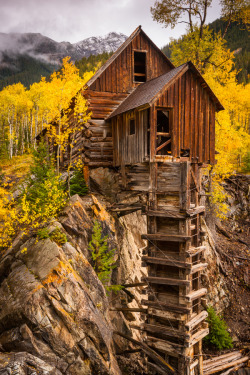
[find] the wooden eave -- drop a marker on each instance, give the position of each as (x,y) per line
(137,31)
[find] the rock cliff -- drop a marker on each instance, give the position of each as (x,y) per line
(54,316)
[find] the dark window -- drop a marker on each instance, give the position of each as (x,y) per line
(162,121)
(139,66)
(163,132)
(132,127)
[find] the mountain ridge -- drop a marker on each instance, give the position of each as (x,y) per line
(25,57)
(42,47)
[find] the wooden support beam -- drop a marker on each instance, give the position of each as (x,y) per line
(198,267)
(134,285)
(166,314)
(197,337)
(128,208)
(196,294)
(195,181)
(163,145)
(165,346)
(163,330)
(172,214)
(166,306)
(195,211)
(165,237)
(196,320)
(166,281)
(176,213)
(194,364)
(192,251)
(167,261)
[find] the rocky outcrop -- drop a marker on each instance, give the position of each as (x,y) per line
(54,316)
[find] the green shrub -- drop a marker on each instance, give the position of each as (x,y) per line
(103,258)
(58,237)
(218,336)
(43,233)
(78,184)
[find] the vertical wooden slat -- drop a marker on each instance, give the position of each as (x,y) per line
(192,119)
(212,135)
(179,117)
(175,134)
(196,121)
(152,132)
(207,131)
(183,87)
(187,112)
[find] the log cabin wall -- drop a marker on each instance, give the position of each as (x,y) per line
(193,120)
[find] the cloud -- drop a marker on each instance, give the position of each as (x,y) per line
(75,20)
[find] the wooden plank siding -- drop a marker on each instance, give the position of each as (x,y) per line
(193,118)
(118,76)
(192,125)
(130,149)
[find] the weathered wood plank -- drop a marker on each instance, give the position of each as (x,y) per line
(196,320)
(166,306)
(165,237)
(167,261)
(196,294)
(166,281)
(165,346)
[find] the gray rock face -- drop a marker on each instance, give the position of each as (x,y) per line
(54,315)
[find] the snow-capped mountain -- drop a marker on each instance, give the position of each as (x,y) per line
(97,45)
(43,48)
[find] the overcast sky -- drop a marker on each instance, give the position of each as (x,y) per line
(75,20)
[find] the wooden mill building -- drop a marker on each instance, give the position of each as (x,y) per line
(155,123)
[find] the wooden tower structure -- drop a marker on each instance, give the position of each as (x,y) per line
(155,125)
(163,134)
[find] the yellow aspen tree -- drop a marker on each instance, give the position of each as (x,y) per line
(64,96)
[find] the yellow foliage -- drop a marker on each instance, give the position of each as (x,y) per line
(25,113)
(29,215)
(231,125)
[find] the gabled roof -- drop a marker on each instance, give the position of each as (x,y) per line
(137,31)
(149,91)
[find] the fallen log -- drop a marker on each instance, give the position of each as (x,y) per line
(232,369)
(220,367)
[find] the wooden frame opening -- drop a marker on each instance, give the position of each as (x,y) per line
(132,126)
(140,68)
(163,131)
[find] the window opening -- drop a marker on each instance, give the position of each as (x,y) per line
(139,66)
(163,133)
(131,127)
